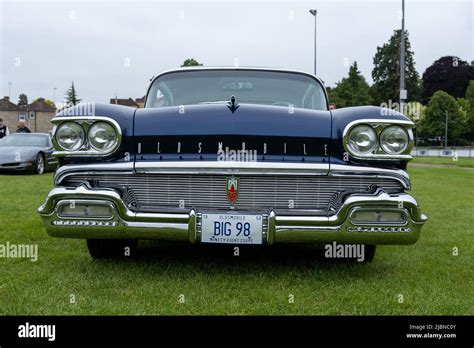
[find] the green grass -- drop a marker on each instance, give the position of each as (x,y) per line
(213,281)
(448,161)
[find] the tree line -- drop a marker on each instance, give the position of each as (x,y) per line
(447,86)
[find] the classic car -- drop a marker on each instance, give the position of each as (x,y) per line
(27,152)
(232,156)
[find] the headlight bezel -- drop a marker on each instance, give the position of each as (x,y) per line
(86,122)
(379,125)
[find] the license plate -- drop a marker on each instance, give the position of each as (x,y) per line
(231,228)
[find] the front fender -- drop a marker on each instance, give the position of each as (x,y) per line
(123,115)
(342,117)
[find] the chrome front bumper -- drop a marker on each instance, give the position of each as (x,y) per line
(278,228)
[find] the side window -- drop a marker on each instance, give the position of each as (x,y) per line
(21,116)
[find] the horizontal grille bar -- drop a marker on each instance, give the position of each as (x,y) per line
(150,192)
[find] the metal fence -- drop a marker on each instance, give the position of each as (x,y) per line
(438,151)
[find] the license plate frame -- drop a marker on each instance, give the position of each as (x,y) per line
(224,228)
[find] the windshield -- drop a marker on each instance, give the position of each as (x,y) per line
(25,140)
(248,86)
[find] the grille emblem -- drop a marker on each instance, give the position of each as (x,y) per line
(232,189)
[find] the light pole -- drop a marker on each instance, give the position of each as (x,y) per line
(403,92)
(446,135)
(314,13)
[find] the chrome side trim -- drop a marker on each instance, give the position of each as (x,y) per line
(85,122)
(103,168)
(350,170)
(379,125)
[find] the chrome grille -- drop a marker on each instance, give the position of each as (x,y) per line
(150,192)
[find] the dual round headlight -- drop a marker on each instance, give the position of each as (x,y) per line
(101,136)
(394,140)
(362,140)
(70,136)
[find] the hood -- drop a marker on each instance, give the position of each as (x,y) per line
(199,132)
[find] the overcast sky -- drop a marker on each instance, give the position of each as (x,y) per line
(114,47)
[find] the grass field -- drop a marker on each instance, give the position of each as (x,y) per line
(427,275)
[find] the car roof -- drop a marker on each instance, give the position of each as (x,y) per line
(235,68)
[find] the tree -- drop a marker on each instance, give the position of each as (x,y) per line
(23,100)
(352,90)
(191,62)
(46,101)
(449,74)
(71,96)
(470,114)
(386,72)
(435,118)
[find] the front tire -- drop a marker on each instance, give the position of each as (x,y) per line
(369,252)
(112,248)
(39,164)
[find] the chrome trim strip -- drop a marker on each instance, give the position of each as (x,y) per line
(103,168)
(350,170)
(230,167)
(379,125)
(85,122)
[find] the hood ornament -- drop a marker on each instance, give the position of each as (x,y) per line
(232,105)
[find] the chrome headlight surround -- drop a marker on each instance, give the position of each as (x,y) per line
(379,152)
(86,149)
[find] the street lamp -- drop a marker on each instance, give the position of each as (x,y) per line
(403,92)
(446,135)
(314,13)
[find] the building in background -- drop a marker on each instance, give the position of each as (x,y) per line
(37,115)
(140,101)
(124,102)
(137,103)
